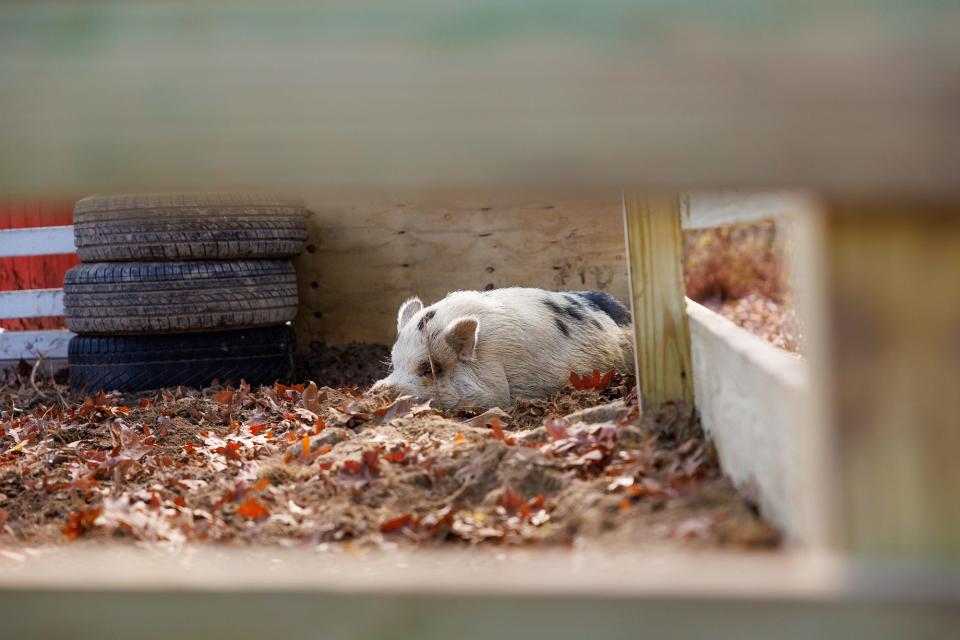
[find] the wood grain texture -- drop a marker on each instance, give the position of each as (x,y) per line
(655,260)
(366,254)
(893,311)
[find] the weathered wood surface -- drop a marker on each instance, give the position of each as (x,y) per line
(30,345)
(32,303)
(367,255)
(717,209)
(893,372)
(752,397)
(841,96)
(36,241)
(470,594)
(655,267)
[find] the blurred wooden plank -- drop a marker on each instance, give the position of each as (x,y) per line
(655,267)
(302,97)
(465,593)
(893,311)
(750,396)
(32,303)
(28,345)
(708,210)
(36,241)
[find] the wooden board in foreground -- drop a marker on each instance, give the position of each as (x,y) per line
(893,370)
(470,594)
(303,97)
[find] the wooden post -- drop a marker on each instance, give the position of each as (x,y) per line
(893,377)
(661,331)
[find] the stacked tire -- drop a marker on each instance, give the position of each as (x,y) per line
(182,289)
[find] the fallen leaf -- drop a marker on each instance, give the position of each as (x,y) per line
(79,522)
(485,419)
(253,509)
(396,523)
(498,431)
(223,397)
(510,501)
(312,398)
(556,429)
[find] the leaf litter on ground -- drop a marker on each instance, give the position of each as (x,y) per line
(307,465)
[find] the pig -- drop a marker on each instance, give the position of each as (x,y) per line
(485,349)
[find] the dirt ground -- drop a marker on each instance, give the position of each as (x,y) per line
(325,467)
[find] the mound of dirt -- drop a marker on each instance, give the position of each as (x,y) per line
(321,466)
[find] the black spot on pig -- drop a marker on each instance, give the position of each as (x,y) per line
(427,317)
(574,309)
(563,328)
(607,304)
(569,311)
(553,306)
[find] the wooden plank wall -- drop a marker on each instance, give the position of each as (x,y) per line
(367,255)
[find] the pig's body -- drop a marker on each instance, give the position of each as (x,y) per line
(488,348)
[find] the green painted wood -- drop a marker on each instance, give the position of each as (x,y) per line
(238,615)
(848,95)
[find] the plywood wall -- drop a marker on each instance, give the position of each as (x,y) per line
(368,255)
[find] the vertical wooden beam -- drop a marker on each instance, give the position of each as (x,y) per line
(893,331)
(661,332)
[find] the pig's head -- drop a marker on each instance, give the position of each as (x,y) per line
(435,356)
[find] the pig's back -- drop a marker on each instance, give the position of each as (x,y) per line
(539,337)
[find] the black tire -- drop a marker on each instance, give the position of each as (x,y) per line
(136,363)
(130,298)
(190,226)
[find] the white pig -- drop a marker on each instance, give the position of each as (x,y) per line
(485,349)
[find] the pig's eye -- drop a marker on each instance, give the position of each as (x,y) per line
(424,369)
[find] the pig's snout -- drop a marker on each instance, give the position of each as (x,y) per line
(386,386)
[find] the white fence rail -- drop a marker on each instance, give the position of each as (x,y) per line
(36,241)
(33,303)
(32,345)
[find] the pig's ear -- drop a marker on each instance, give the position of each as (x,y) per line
(462,337)
(408,309)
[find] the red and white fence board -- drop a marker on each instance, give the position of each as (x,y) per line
(50,344)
